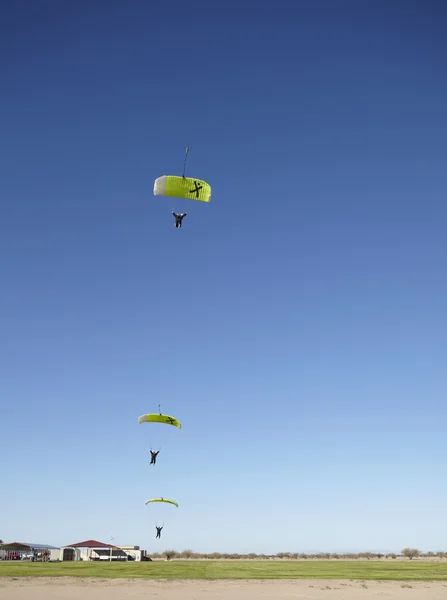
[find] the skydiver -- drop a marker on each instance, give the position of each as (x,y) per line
(154,457)
(178,218)
(158,532)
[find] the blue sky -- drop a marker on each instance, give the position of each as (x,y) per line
(296,325)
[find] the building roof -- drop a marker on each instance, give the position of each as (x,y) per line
(22,546)
(42,546)
(90,544)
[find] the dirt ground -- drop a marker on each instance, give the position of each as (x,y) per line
(302,589)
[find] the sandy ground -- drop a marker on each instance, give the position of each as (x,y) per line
(302,589)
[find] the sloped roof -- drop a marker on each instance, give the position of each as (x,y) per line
(26,546)
(90,544)
(15,546)
(42,546)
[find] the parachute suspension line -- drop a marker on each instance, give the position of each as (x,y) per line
(184,164)
(159,412)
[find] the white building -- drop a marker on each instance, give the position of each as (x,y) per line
(94,550)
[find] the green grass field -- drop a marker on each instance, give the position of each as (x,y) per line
(383,570)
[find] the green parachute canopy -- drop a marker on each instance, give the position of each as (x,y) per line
(158,418)
(182,187)
(162,500)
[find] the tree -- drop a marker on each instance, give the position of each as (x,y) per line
(411,553)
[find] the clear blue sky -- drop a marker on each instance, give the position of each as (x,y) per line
(296,325)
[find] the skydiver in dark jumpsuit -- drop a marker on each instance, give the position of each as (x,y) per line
(158,532)
(154,457)
(178,218)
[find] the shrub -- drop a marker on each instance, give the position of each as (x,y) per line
(411,553)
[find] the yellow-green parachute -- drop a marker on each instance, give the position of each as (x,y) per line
(157,418)
(182,187)
(162,500)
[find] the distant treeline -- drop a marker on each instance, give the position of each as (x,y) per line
(409,553)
